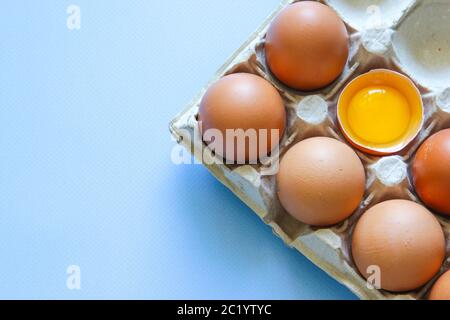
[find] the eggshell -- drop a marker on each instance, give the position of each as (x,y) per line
(403,239)
(243,101)
(441,288)
(431,172)
(321,181)
(393,80)
(307,45)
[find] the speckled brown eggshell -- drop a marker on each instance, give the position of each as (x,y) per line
(321,181)
(431,172)
(307,46)
(404,240)
(243,101)
(441,288)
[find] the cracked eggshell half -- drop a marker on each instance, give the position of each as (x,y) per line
(380,112)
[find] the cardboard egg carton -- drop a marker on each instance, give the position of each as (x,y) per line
(407,36)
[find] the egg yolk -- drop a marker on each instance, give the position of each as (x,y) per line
(379,114)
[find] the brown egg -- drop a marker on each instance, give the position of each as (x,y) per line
(441,288)
(248,102)
(307,46)
(403,239)
(431,172)
(321,181)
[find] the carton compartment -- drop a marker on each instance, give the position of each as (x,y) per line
(313,114)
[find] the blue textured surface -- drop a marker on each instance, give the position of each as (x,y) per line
(85,171)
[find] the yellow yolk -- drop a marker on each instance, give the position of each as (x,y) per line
(379,114)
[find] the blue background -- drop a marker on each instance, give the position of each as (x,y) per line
(85,170)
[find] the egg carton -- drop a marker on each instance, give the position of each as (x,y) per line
(407,36)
